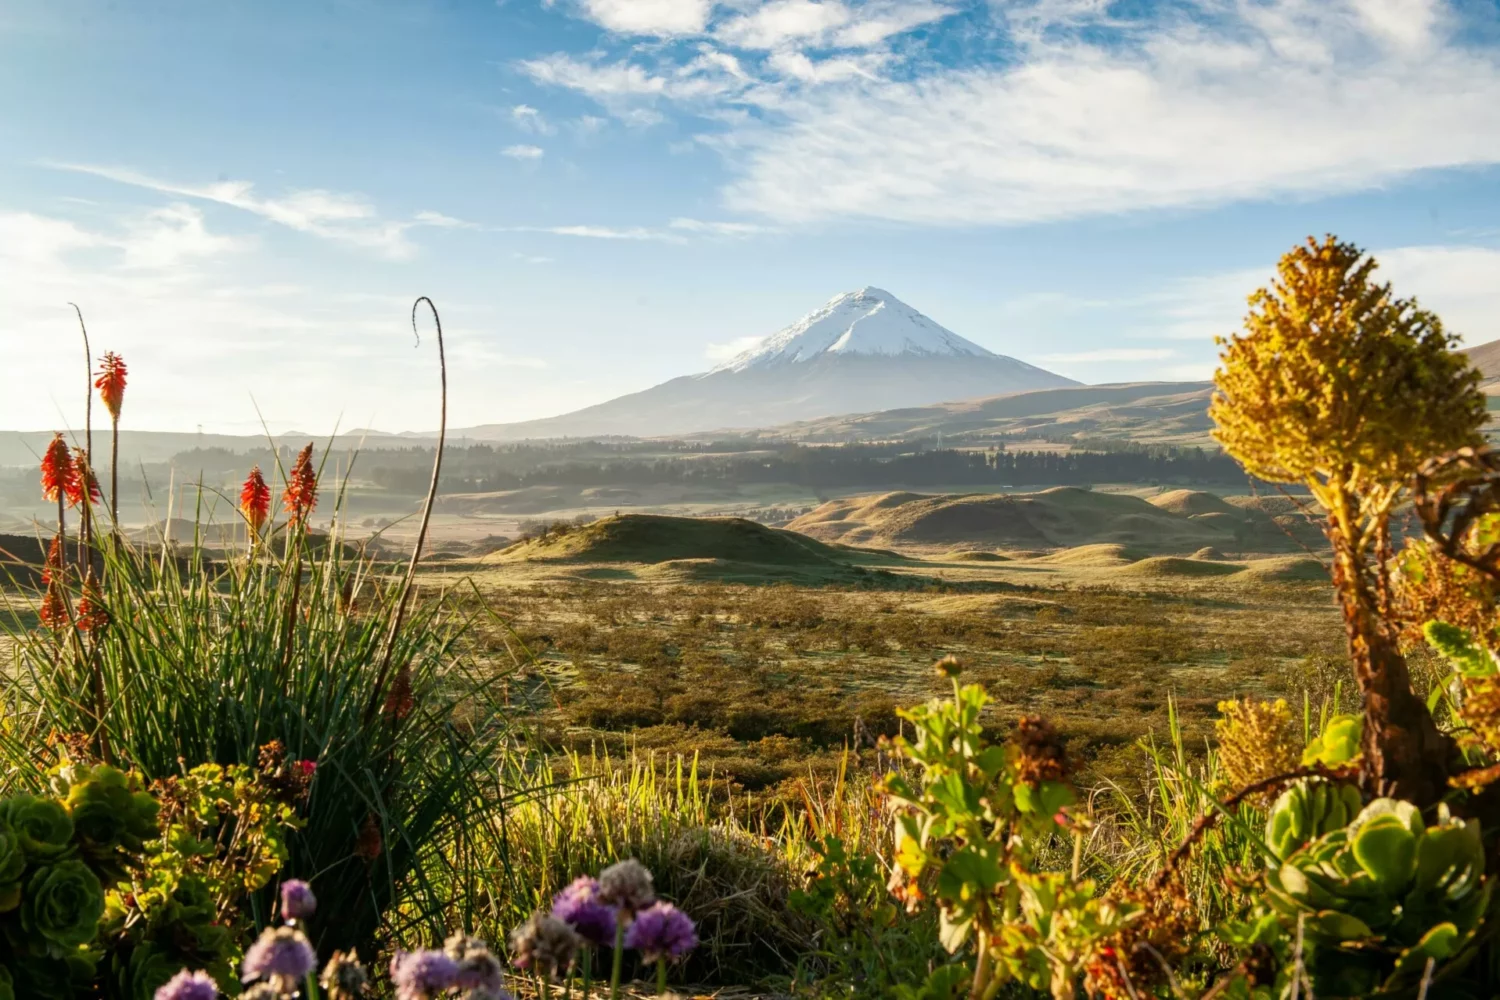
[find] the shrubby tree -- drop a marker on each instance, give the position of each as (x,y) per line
(1339,386)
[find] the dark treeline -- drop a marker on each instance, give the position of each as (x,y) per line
(464,471)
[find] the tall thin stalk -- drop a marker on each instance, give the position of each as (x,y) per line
(382,675)
(86,529)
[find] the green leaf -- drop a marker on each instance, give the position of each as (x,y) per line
(1458,647)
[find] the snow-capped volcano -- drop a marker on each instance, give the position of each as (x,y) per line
(869,321)
(860,352)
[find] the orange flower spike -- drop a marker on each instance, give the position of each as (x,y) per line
(83,472)
(92,615)
(54,610)
(111,383)
(59,474)
(54,560)
(301,494)
(255,500)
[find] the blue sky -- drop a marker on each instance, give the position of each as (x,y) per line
(602,194)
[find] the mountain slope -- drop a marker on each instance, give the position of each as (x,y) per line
(860,351)
(1154,412)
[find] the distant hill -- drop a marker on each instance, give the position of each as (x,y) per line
(861,351)
(1182,521)
(655,538)
(1486,357)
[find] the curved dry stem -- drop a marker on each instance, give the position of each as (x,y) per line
(382,676)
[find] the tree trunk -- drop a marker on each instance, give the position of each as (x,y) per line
(1405,755)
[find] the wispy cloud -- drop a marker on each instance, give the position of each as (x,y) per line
(731,349)
(1111,354)
(331,215)
(523,152)
(1081,107)
(529,119)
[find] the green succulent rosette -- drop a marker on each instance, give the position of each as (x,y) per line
(110,813)
(62,906)
(12,866)
(144,971)
(43,826)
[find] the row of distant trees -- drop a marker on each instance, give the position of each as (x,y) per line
(819,467)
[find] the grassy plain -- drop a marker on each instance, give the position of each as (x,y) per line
(770,670)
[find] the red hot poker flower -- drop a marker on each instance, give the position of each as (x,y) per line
(255,500)
(54,561)
(59,474)
(301,494)
(85,474)
(54,609)
(111,383)
(92,615)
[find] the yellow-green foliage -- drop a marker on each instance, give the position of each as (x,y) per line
(1337,384)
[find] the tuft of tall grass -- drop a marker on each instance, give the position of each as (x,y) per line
(731,868)
(1139,828)
(210,655)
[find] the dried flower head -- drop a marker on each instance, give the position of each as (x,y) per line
(369,844)
(1256,741)
(399,700)
(110,382)
(189,986)
(54,610)
(344,978)
(579,907)
(948,666)
(544,944)
(626,885)
(479,971)
(421,975)
(301,494)
(662,933)
(59,474)
(1134,960)
(255,500)
(297,900)
(1041,755)
(281,956)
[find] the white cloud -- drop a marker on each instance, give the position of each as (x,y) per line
(529,119)
(783,22)
(727,351)
(649,17)
(1187,118)
(591,232)
(344,218)
(523,152)
(438,220)
(1084,108)
(707,228)
(1111,354)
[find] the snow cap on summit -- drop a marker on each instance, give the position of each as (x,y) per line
(870,321)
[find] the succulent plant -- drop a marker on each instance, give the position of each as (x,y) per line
(1377,898)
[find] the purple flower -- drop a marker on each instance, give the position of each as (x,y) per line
(297,900)
(189,986)
(662,931)
(281,955)
(418,975)
(578,906)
